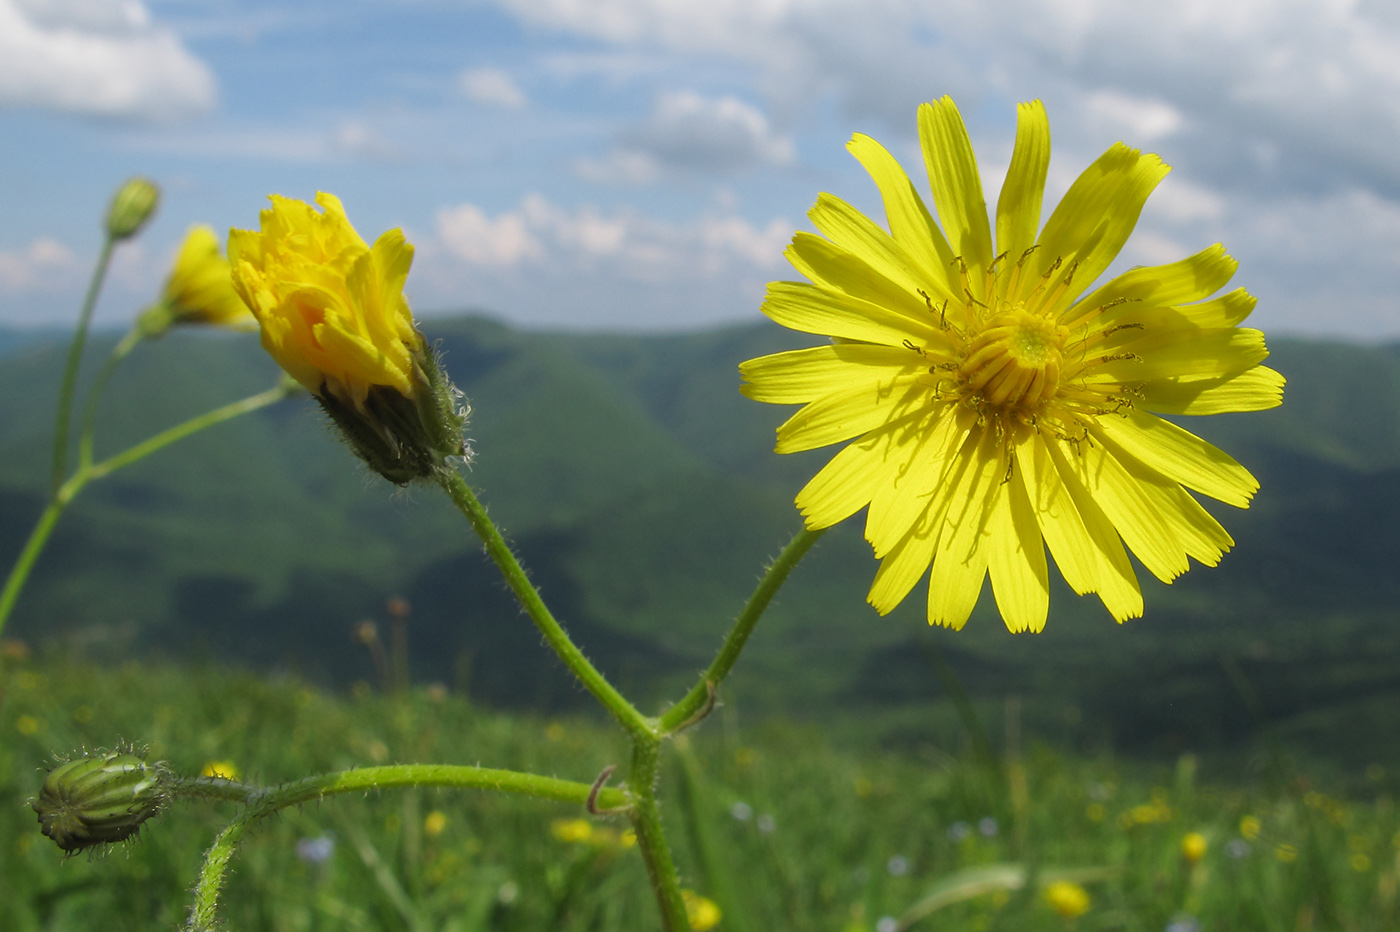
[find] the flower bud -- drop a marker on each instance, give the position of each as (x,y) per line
(131,207)
(98,799)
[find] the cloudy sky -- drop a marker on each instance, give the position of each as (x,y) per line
(641,164)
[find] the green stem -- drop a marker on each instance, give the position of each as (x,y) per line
(636,724)
(699,696)
(263,801)
(39,536)
(70,370)
(651,840)
(99,385)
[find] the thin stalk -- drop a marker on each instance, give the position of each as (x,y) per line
(194,425)
(99,385)
(70,369)
(694,702)
(651,839)
(39,536)
(263,801)
(637,725)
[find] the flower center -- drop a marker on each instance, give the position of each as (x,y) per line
(1014,362)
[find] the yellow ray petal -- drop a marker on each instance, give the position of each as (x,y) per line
(845,485)
(798,376)
(833,267)
(849,413)
(960,562)
(910,223)
(1186,280)
(1018,207)
(854,232)
(1114,581)
(907,493)
(1090,226)
(1180,456)
(1184,352)
(1133,510)
(1255,389)
(956,184)
(902,568)
(805,307)
(1016,560)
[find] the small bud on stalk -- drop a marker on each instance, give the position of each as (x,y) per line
(99,798)
(131,207)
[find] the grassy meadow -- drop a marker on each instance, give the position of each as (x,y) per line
(773,821)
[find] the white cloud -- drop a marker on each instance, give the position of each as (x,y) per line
(102,57)
(45,265)
(1144,120)
(491,86)
(469,234)
(636,246)
(689,132)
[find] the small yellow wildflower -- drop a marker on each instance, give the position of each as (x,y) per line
(1250,827)
(1067,898)
(572,831)
(1360,862)
(1193,847)
(332,313)
(435,823)
(1286,853)
(222,769)
(199,290)
(702,912)
(27,725)
(997,406)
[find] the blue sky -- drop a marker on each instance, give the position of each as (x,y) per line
(640,164)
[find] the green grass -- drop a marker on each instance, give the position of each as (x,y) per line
(833,837)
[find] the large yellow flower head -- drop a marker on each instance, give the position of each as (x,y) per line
(995,406)
(199,289)
(332,313)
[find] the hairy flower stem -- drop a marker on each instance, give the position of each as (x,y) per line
(70,369)
(638,726)
(694,702)
(263,801)
(651,840)
(88,471)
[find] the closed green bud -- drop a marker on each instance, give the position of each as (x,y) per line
(99,799)
(131,207)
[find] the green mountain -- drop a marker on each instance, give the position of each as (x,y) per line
(642,492)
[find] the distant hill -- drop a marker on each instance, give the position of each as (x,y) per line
(642,491)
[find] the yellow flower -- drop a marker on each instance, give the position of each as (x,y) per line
(1193,847)
(199,289)
(222,769)
(995,407)
(435,823)
(331,308)
(1067,898)
(332,313)
(701,912)
(572,831)
(1250,827)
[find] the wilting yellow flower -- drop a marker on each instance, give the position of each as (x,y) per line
(1068,899)
(1193,847)
(997,408)
(701,912)
(331,308)
(332,313)
(199,289)
(222,769)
